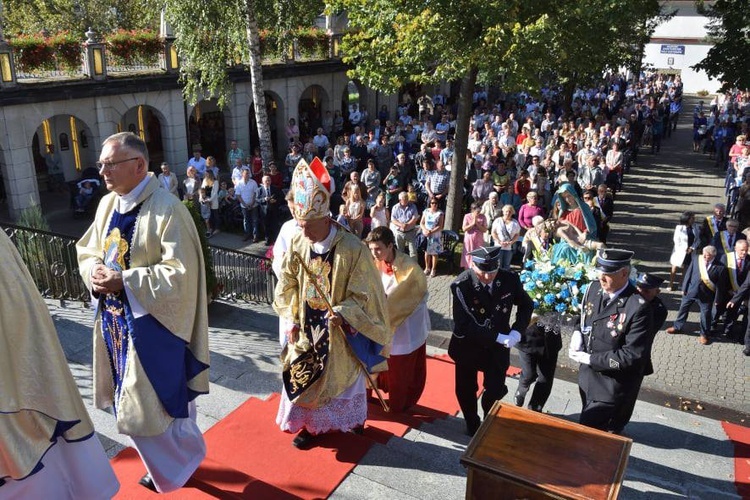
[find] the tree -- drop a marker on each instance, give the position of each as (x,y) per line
(76,16)
(213,35)
(392,43)
(729,31)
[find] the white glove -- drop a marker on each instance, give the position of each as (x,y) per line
(503,339)
(580,357)
(576,343)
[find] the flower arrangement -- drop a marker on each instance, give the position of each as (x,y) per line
(312,42)
(67,49)
(556,288)
(33,53)
(127,47)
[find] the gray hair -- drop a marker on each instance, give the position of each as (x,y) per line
(709,249)
(130,141)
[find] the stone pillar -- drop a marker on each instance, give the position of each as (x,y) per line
(94,57)
(168,59)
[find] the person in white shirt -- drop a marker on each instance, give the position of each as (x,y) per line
(245,191)
(198,162)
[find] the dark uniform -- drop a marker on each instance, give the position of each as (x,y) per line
(618,337)
(537,352)
(659,312)
(479,315)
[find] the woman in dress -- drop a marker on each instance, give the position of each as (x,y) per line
(210,200)
(379,215)
(432,229)
(686,239)
(355,209)
(474,227)
(505,232)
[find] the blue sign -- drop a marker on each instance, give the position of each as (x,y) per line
(673,49)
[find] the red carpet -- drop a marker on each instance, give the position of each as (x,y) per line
(740,436)
(248,457)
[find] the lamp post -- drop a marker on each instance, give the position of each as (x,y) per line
(7,64)
(169,59)
(94,57)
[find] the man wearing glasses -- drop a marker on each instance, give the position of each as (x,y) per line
(142,261)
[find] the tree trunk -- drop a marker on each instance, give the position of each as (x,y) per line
(256,82)
(454,209)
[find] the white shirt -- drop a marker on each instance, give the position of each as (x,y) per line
(413,332)
(245,191)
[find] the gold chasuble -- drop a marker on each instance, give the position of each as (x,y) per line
(349,277)
(165,276)
(39,400)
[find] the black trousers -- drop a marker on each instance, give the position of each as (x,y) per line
(539,368)
(624,409)
(596,414)
(467,386)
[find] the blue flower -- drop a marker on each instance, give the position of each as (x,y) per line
(560,271)
(536,304)
(529,264)
(529,287)
(561,307)
(544,277)
(549,299)
(578,275)
(574,302)
(564,294)
(535,275)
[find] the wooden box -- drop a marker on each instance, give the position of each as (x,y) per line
(522,454)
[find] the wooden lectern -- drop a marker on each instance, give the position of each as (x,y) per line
(522,454)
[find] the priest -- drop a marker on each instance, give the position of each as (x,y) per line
(47,444)
(142,261)
(337,330)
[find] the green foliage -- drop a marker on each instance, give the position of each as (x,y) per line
(200,226)
(311,42)
(727,60)
(67,47)
(76,16)
(33,218)
(127,47)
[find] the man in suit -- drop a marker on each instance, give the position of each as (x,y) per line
(713,224)
(724,240)
(738,303)
(737,265)
(705,280)
(612,346)
(648,286)
(483,299)
(607,206)
(270,199)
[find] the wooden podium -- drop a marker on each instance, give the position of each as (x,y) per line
(522,454)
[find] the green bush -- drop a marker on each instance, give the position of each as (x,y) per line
(33,53)
(67,48)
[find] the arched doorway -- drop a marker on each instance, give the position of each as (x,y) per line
(62,141)
(312,105)
(146,122)
(206,129)
(276,114)
(354,95)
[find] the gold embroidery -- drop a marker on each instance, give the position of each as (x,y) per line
(321,270)
(303,370)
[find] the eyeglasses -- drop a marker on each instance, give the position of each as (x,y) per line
(112,165)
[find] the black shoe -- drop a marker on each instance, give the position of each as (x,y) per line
(518,400)
(302,440)
(746,351)
(359,430)
(472,428)
(148,482)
